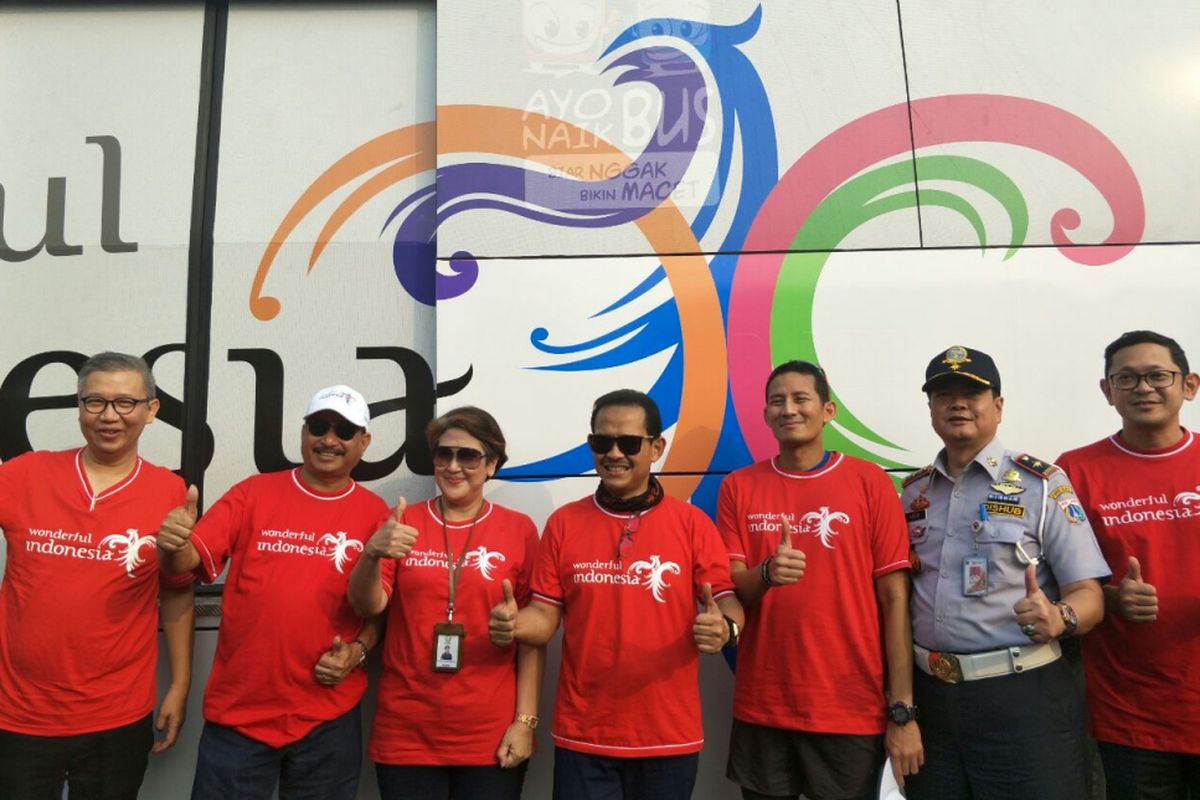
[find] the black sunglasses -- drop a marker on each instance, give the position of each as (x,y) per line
(630,444)
(341,429)
(467,457)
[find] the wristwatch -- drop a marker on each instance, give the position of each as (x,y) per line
(1070,620)
(902,714)
(528,719)
(735,631)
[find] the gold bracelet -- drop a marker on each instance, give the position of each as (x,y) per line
(529,719)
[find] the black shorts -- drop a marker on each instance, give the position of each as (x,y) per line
(777,762)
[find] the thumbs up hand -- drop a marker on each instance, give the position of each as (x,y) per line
(786,566)
(336,663)
(710,630)
(176,528)
(502,624)
(1039,618)
(394,539)
(1137,601)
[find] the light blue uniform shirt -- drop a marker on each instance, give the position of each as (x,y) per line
(990,515)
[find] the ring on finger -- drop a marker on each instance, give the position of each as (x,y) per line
(1028,629)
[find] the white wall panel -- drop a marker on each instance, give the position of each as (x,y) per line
(320,106)
(128,79)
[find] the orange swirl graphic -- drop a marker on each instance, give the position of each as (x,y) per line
(475,129)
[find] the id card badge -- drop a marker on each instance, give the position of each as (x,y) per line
(975,576)
(447,646)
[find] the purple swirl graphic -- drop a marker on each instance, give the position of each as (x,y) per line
(552,198)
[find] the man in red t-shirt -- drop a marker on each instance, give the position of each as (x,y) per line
(1140,488)
(623,570)
(819,554)
(82,597)
(281,704)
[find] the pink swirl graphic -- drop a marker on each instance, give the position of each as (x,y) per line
(884,134)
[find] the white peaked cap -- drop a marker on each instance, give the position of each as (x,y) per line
(343,400)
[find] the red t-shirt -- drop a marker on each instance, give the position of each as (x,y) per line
(1143,679)
(292,549)
(812,657)
(79,602)
(628,684)
(444,718)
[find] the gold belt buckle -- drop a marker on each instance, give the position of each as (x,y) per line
(945,667)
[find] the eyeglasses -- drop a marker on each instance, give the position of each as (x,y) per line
(342,429)
(625,543)
(1155,379)
(94,404)
(467,457)
(629,445)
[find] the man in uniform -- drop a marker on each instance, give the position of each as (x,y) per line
(820,559)
(82,598)
(1140,488)
(623,570)
(282,699)
(1006,571)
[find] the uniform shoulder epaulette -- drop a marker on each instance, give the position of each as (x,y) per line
(1043,469)
(916,476)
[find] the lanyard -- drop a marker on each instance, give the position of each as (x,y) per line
(453,565)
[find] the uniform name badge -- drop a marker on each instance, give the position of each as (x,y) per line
(975,576)
(447,646)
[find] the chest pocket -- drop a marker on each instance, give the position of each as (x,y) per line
(1010,542)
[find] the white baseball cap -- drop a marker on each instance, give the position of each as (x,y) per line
(343,400)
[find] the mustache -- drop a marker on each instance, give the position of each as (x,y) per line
(337,451)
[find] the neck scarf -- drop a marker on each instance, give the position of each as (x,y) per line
(633,505)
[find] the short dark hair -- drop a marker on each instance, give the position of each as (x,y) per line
(109,361)
(478,423)
(630,397)
(802,368)
(1130,338)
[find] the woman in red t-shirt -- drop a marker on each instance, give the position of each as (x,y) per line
(455,715)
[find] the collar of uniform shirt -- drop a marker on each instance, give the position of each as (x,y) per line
(990,458)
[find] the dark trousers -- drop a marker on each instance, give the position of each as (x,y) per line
(583,776)
(1137,774)
(105,765)
(324,765)
(493,782)
(1022,735)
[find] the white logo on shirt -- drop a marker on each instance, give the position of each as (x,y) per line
(341,545)
(128,547)
(652,572)
(1187,498)
(821,522)
(484,560)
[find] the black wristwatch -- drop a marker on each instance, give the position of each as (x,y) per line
(735,631)
(902,714)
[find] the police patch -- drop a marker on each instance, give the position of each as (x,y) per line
(1043,469)
(1005,509)
(1061,490)
(1072,511)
